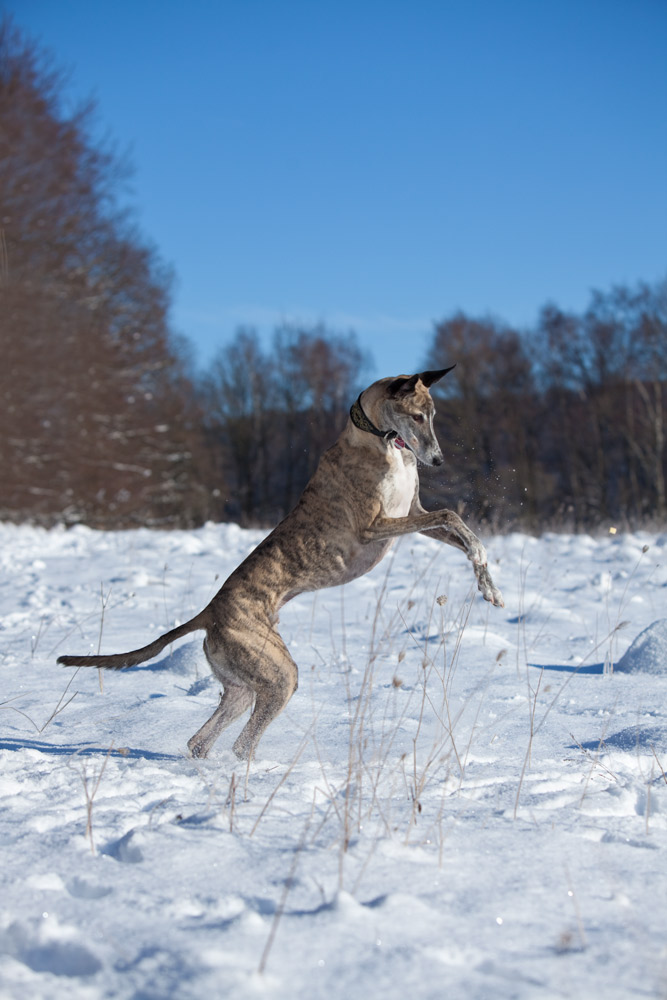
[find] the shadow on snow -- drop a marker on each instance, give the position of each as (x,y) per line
(85,750)
(631,739)
(563,668)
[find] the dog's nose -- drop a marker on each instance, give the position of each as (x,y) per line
(437,459)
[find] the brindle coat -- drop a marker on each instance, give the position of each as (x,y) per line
(363,495)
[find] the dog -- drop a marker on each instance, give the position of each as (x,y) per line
(363,495)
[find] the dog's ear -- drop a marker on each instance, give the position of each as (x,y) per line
(403,385)
(430,378)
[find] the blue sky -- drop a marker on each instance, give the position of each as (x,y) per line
(378,165)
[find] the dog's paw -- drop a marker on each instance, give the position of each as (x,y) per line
(496,598)
(197,750)
(488,589)
(241,750)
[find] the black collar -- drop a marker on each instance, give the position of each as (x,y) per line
(364,423)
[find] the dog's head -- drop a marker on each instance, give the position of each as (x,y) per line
(404,405)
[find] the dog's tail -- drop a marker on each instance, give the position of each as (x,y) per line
(118,661)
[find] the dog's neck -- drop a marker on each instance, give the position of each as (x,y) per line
(364,423)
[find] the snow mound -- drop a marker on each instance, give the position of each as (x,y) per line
(648,652)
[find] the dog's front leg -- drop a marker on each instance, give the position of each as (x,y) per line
(458,534)
(447,527)
(476,553)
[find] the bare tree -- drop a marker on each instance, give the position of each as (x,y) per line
(484,423)
(90,426)
(317,372)
(605,376)
(239,393)
(270,414)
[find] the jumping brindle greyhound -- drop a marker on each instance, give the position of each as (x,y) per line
(363,495)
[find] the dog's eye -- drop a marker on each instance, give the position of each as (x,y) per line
(418,417)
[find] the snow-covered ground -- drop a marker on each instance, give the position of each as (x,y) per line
(460,801)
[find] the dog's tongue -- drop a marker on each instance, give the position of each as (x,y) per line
(399,442)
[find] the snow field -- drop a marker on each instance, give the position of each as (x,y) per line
(459,800)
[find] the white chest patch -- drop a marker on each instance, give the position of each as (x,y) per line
(398,487)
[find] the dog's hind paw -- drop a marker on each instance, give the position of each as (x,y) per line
(242,751)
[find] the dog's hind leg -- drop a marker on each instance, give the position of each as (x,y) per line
(234,701)
(275,681)
(236,698)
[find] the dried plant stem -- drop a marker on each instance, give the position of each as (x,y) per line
(60,707)
(577,911)
(649,784)
(90,789)
(231,801)
(289,770)
(526,761)
(662,770)
(77,626)
(289,881)
(5,706)
(34,640)
(104,601)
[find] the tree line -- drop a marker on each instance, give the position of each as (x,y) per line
(103,420)
(563,424)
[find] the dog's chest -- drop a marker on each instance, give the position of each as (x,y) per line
(398,487)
